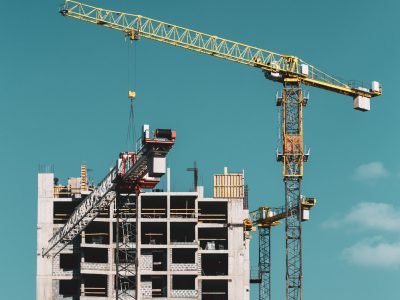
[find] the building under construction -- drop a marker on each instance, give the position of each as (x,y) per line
(189,246)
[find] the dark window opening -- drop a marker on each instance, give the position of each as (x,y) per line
(94,285)
(182,207)
(95,255)
(154,233)
(154,207)
(214,264)
(69,288)
(213,212)
(184,256)
(69,261)
(97,233)
(63,210)
(214,290)
(183,282)
(183,232)
(213,238)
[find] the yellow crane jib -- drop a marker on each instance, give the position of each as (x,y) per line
(277,67)
(266,216)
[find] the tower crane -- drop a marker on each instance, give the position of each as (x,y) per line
(288,70)
(263,219)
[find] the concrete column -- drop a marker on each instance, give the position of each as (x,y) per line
(111,283)
(169,249)
(138,245)
(238,287)
(197,261)
(82,289)
(110,253)
(44,288)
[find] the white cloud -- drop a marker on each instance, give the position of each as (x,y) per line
(374,252)
(372,170)
(373,215)
(369,215)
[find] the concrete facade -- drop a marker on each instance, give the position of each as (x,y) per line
(189,247)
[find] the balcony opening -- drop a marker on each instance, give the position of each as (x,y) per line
(214,264)
(183,282)
(63,210)
(154,207)
(69,288)
(183,233)
(154,233)
(213,238)
(213,212)
(95,255)
(69,261)
(97,233)
(94,285)
(184,256)
(214,290)
(183,207)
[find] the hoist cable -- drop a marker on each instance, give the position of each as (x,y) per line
(130,136)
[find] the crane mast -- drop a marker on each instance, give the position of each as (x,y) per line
(264,218)
(289,70)
(292,158)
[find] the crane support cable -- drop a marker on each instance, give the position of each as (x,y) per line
(130,134)
(283,66)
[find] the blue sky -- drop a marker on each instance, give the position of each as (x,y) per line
(63,85)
